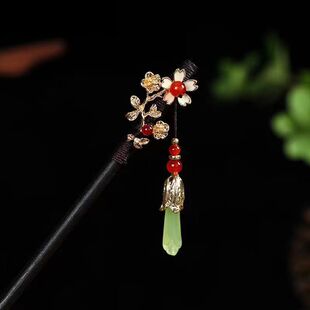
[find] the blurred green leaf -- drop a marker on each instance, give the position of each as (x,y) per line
(294,125)
(304,78)
(243,80)
(231,84)
(283,125)
(298,100)
(298,147)
(275,74)
(233,78)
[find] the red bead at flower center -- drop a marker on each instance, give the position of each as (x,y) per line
(177,88)
(147,129)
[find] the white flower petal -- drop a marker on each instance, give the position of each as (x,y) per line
(169,98)
(179,75)
(191,85)
(184,100)
(166,83)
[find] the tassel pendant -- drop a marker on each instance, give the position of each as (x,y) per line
(173,201)
(148,111)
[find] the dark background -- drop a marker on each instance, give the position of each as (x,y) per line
(61,123)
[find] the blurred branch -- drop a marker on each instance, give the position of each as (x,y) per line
(17,61)
(259,76)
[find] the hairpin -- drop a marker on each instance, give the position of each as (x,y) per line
(160,93)
(148,112)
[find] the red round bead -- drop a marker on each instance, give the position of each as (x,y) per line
(147,129)
(177,88)
(174,149)
(174,166)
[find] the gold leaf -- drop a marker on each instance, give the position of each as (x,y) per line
(131,116)
(139,142)
(135,101)
(144,141)
(153,107)
(154,112)
(130,137)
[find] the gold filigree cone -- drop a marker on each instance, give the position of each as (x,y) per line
(174,195)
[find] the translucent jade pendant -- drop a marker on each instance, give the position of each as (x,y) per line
(172,238)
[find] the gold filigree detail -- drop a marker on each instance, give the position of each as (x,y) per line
(138,143)
(139,108)
(156,88)
(160,130)
(175,157)
(153,112)
(151,82)
(174,195)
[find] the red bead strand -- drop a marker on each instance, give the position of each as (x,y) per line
(174,166)
(174,149)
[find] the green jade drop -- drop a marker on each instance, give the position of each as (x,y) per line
(172,238)
(173,201)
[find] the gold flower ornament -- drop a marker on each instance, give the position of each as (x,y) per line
(151,82)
